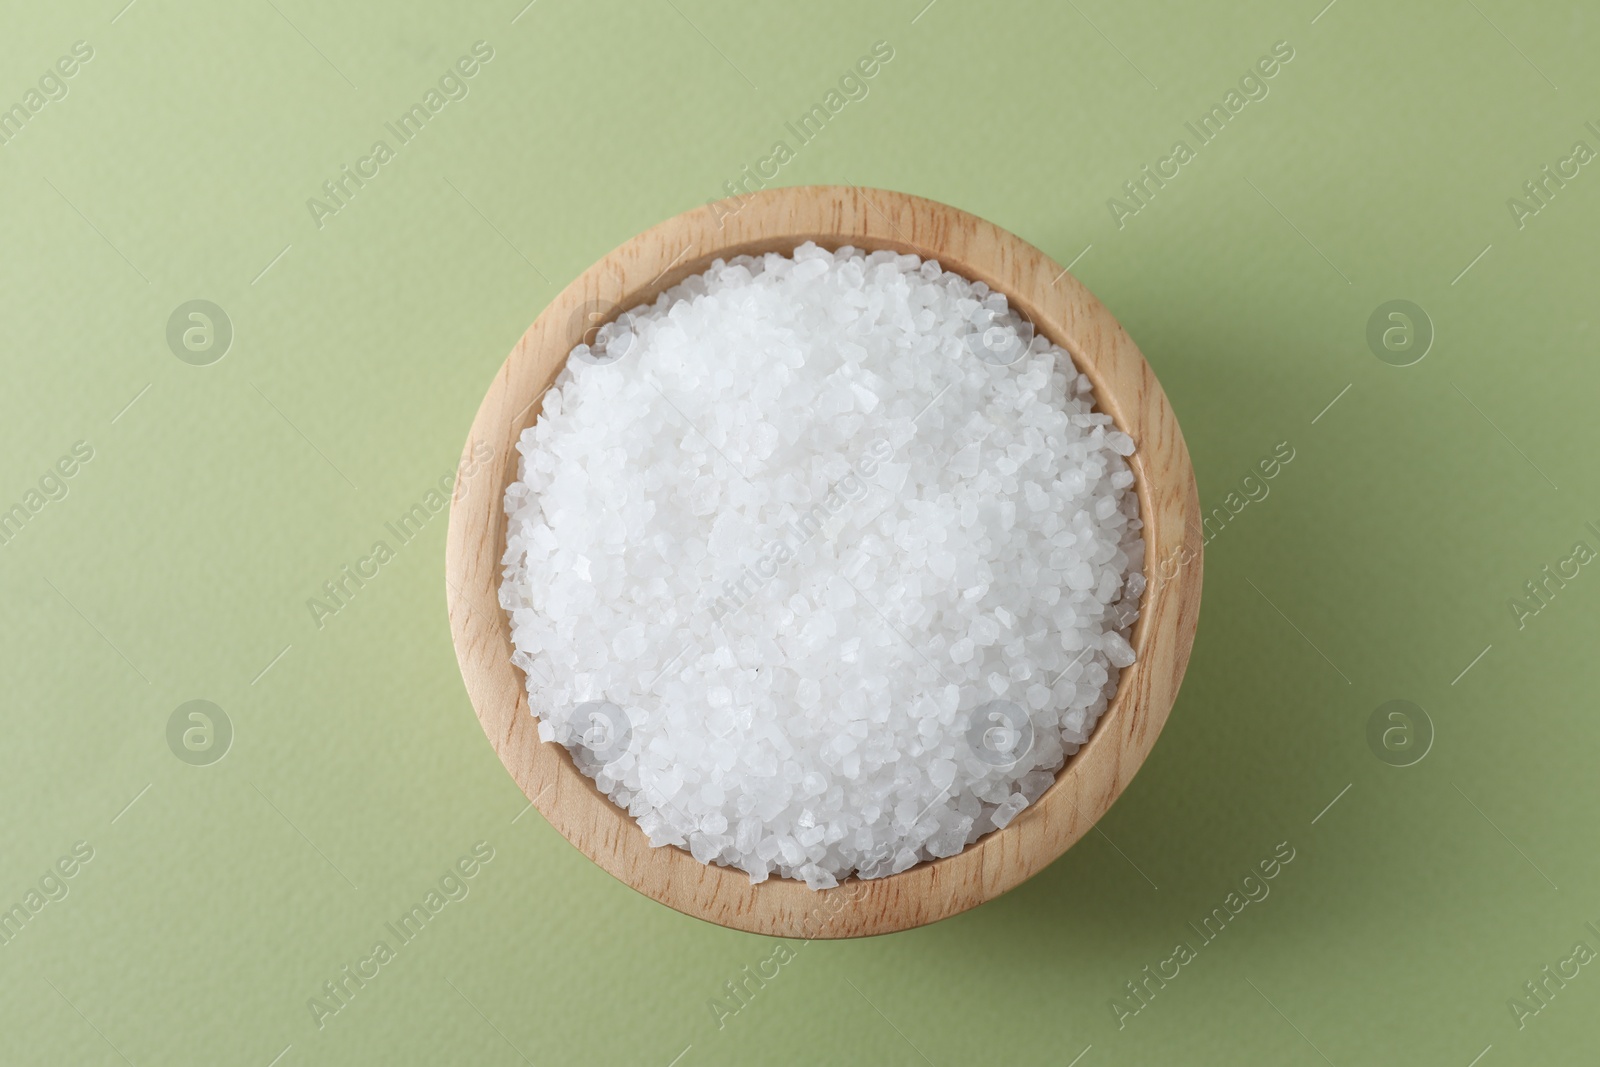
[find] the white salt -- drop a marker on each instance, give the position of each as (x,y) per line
(822,565)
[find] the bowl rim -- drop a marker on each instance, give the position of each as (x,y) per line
(1060,308)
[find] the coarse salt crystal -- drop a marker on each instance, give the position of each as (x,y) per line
(822,565)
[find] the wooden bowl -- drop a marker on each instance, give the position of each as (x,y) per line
(778,220)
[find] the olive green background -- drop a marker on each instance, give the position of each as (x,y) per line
(221,897)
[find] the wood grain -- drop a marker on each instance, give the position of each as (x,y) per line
(1062,310)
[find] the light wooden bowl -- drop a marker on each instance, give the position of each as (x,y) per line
(778,220)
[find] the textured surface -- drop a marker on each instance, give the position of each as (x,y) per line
(1415,906)
(925,507)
